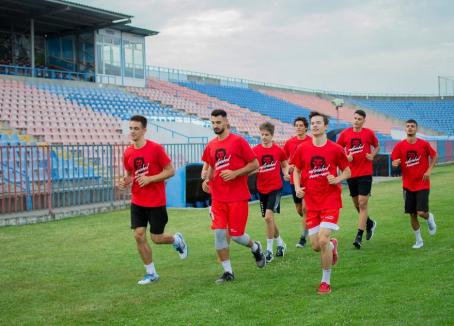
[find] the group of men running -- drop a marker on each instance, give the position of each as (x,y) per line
(315,167)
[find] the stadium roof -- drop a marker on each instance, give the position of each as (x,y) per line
(62,17)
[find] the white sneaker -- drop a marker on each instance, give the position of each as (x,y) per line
(181,247)
(418,244)
(149,278)
(431,224)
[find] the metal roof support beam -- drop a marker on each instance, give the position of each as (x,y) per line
(32,45)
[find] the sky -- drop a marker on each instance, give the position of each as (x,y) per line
(373,46)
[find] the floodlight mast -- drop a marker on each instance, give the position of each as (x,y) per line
(338,103)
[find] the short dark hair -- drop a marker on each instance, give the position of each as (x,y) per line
(139,118)
(268,126)
(303,119)
(218,112)
(412,121)
(315,114)
(361,113)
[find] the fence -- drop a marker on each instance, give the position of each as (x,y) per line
(58,176)
(45,73)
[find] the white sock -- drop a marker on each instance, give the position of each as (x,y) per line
(269,244)
(326,277)
(279,241)
(254,247)
(150,268)
(176,241)
(418,235)
(227,266)
(331,246)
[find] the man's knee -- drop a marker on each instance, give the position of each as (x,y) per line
(269,216)
(220,239)
(140,235)
(421,213)
(156,238)
(362,202)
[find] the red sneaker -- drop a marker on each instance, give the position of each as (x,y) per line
(324,288)
(335,254)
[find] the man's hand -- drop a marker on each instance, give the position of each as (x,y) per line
(300,192)
(426,175)
(370,157)
(124,182)
(332,180)
(143,180)
(350,157)
(286,177)
(228,175)
(396,163)
(204,174)
(206,186)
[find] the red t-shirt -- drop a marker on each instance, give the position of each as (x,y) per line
(269,174)
(315,164)
(148,160)
(231,153)
(414,162)
(290,147)
(358,143)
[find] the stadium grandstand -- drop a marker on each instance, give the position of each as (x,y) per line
(68,87)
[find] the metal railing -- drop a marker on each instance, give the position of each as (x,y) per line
(59,176)
(181,75)
(56,176)
(45,73)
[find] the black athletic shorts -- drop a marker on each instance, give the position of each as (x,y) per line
(416,201)
(360,185)
(156,216)
(270,201)
(296,200)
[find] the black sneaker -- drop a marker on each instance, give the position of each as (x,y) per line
(302,242)
(269,256)
(370,230)
(260,259)
(280,251)
(357,242)
(226,277)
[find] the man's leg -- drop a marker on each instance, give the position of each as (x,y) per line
(360,203)
(422,208)
(410,208)
(142,245)
(139,221)
(271,233)
(301,210)
(219,223)
(327,248)
(417,230)
(158,220)
(146,254)
(222,250)
(237,217)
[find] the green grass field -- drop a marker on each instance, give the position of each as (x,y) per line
(84,271)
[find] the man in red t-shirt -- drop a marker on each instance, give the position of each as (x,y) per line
(361,146)
(416,159)
(147,166)
(230,160)
(317,181)
(301,125)
(269,185)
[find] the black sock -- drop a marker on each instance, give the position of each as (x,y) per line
(369,223)
(360,233)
